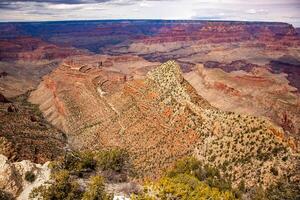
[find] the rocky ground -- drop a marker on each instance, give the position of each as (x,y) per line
(25,134)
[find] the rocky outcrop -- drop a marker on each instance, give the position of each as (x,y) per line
(12,177)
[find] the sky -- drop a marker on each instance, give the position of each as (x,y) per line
(238,10)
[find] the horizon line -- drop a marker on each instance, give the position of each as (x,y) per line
(91,20)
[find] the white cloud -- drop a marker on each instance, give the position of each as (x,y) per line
(251,11)
(256,10)
(145,4)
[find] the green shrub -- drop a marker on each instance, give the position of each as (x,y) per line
(210,175)
(62,188)
(95,190)
(183,187)
(188,165)
(241,186)
(87,161)
(115,159)
(29,176)
(75,162)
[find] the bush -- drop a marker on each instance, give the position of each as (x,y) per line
(115,159)
(208,174)
(274,171)
(185,187)
(29,176)
(189,165)
(86,161)
(95,190)
(75,162)
(62,188)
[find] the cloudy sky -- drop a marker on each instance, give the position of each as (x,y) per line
(252,10)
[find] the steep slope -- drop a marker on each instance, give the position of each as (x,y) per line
(25,134)
(160,119)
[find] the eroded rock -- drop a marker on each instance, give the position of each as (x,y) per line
(12,177)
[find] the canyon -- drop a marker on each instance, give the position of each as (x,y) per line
(224,92)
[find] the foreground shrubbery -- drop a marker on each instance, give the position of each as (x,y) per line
(61,187)
(95,190)
(74,165)
(115,160)
(189,180)
(185,187)
(210,175)
(65,187)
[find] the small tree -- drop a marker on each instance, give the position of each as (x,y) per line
(29,176)
(115,159)
(96,190)
(62,188)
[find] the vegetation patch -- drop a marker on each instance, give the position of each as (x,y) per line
(30,176)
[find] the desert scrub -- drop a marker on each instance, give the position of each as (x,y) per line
(96,190)
(62,187)
(188,180)
(75,162)
(185,187)
(115,159)
(208,174)
(30,176)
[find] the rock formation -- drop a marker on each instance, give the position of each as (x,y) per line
(12,177)
(160,119)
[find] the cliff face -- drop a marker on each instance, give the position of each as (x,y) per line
(224,32)
(159,119)
(33,49)
(96,35)
(24,60)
